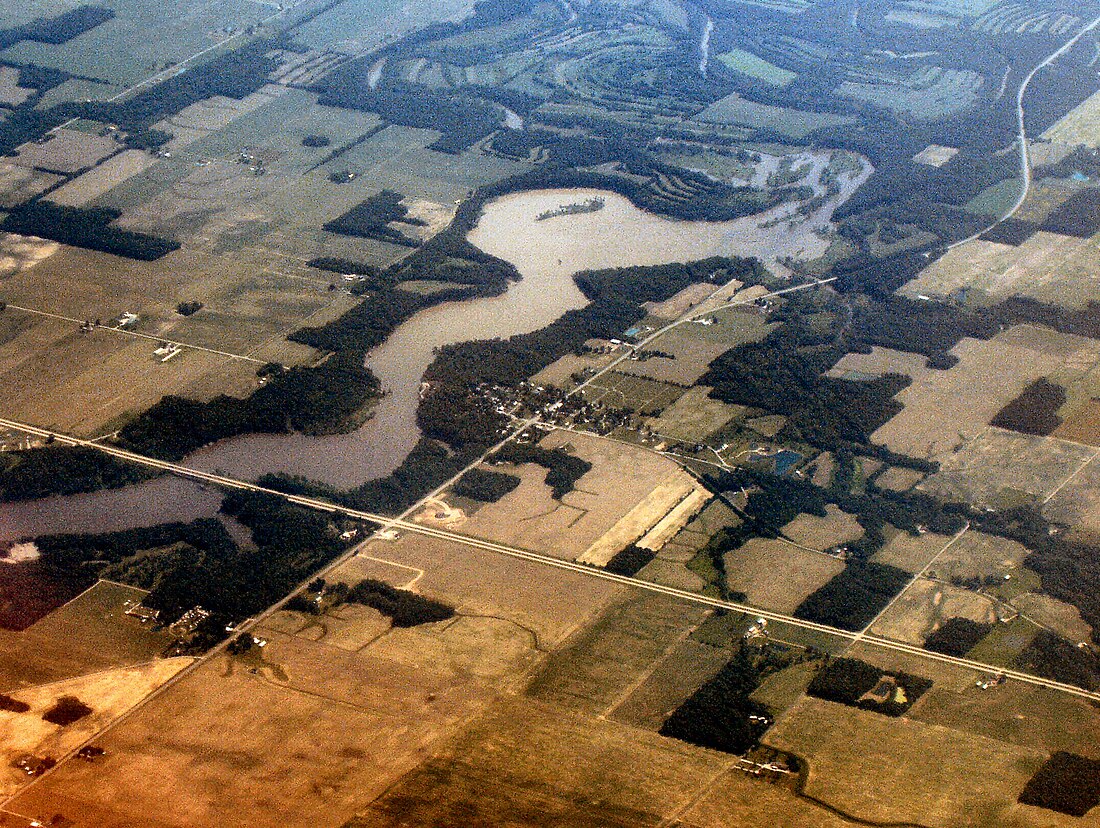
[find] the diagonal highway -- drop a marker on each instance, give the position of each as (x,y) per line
(404,524)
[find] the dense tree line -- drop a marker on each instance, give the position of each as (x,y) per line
(716,716)
(66,710)
(784,374)
(89,228)
(563,469)
(852,598)
(56,30)
(484,485)
(1067,783)
(1051,656)
(847,680)
(630,560)
(321,399)
(63,470)
(1035,411)
(233,583)
(957,636)
(369,323)
(85,552)
(404,608)
(463,119)
(371,220)
(235,74)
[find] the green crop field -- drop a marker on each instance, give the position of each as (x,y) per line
(755,66)
(121,51)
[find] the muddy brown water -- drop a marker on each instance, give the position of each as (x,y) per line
(546,253)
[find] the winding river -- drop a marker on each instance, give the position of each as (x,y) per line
(546,253)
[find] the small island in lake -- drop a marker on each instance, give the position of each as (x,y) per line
(589,206)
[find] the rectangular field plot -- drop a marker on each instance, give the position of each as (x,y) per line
(944,408)
(1078,501)
(621,391)
(125,50)
(776,575)
(530,763)
(796,124)
(1081,125)
(756,67)
(1050,267)
(900,770)
(1000,469)
(694,416)
(90,633)
(927,605)
(621,477)
(691,355)
(1020,714)
(603,664)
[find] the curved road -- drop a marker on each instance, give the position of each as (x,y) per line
(1021,131)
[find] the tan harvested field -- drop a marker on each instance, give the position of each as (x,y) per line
(1044,197)
(975,555)
(1063,618)
(84,382)
(310,733)
(999,468)
(66,152)
(552,605)
(676,489)
(1078,501)
(677,518)
(1048,267)
(911,552)
(11,93)
(776,575)
(682,302)
(621,477)
(694,416)
(559,373)
(692,353)
(88,634)
(927,605)
(17,184)
(1079,125)
(902,770)
(675,677)
(97,181)
(835,529)
(899,479)
(945,408)
(736,799)
(1017,713)
(108,694)
(880,361)
(642,394)
(602,664)
(935,155)
(1083,425)
(823,466)
(21,253)
(529,763)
